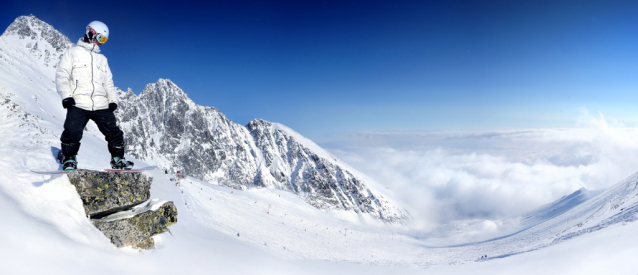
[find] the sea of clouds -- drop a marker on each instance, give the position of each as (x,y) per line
(446,177)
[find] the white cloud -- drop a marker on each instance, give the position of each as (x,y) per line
(452,176)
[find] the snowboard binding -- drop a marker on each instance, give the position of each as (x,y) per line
(69,164)
(121,163)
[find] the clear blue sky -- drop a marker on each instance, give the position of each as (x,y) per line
(334,67)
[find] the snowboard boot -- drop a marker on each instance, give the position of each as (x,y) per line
(69,163)
(60,157)
(121,163)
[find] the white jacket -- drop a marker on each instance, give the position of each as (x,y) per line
(84,74)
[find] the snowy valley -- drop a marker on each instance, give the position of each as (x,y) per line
(258,199)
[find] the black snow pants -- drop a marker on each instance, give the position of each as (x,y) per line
(76,120)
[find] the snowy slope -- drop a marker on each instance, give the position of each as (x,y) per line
(559,206)
(44,229)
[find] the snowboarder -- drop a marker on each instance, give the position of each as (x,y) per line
(84,80)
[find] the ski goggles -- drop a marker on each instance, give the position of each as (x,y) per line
(101,38)
(98,36)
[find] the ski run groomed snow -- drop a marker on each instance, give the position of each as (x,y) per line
(221,230)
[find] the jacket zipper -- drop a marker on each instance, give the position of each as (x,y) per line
(93,102)
(76,87)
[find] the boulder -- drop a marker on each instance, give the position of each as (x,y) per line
(104,193)
(136,227)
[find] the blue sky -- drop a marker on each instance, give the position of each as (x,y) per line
(330,68)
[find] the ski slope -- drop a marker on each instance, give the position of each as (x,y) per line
(280,234)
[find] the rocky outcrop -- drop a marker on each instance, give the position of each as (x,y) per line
(104,193)
(137,227)
(114,202)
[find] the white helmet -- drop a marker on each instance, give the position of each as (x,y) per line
(97,31)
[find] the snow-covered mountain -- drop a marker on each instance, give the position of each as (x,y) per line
(280,179)
(164,127)
(43,41)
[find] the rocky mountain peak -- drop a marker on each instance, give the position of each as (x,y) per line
(164,86)
(38,39)
(258,124)
(164,92)
(37,30)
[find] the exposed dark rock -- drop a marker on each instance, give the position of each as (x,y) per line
(138,230)
(104,193)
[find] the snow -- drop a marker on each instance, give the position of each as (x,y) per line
(376,189)
(151,205)
(327,155)
(610,252)
(262,231)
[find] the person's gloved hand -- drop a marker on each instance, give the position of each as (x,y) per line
(112,106)
(68,102)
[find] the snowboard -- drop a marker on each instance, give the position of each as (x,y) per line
(108,170)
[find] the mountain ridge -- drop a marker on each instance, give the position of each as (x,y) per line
(177,134)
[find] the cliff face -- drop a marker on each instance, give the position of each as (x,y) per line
(166,128)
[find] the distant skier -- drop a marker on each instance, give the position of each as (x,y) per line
(84,80)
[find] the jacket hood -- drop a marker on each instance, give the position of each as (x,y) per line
(88,46)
